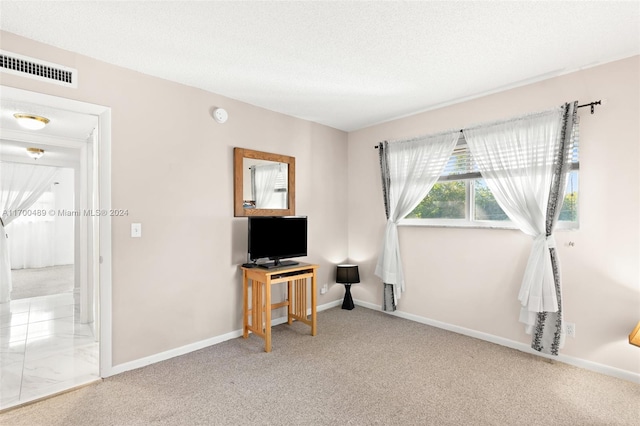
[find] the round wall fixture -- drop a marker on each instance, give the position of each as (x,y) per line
(220,115)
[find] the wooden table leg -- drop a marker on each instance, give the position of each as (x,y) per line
(245,305)
(314,322)
(267,312)
(290,300)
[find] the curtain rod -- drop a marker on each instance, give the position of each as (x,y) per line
(591,104)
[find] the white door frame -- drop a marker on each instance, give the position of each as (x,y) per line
(102,163)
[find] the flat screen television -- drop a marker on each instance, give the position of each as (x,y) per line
(277,238)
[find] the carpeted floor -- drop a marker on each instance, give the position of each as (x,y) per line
(363,368)
(37,282)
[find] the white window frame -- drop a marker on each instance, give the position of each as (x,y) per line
(468,221)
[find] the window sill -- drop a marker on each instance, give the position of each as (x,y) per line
(460,223)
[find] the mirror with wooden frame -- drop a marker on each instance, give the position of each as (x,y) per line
(264,183)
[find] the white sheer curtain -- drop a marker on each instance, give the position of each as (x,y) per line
(32,242)
(265,184)
(20,186)
(519,160)
(410,169)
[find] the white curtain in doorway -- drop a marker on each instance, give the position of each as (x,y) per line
(32,242)
(21,185)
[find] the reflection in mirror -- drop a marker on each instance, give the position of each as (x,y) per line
(265,184)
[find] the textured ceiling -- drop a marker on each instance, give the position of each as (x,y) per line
(344,64)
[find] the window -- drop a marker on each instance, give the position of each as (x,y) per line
(462,198)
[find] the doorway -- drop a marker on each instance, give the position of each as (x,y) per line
(57,340)
(42,246)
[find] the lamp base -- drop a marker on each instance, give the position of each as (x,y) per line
(347,303)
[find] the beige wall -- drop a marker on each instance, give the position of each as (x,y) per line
(172,167)
(470,277)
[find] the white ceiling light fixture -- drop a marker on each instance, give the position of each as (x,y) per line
(220,115)
(30,121)
(35,153)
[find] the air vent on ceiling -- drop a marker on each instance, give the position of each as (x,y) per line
(37,69)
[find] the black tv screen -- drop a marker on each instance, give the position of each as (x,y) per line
(276,238)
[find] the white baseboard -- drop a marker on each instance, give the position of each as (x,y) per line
(329,305)
(163,356)
(576,362)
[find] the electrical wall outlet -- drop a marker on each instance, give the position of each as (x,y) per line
(570,329)
(324,289)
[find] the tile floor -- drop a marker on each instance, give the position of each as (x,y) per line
(43,348)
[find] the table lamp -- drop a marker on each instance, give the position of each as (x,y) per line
(347,275)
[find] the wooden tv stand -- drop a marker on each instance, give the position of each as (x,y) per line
(261,280)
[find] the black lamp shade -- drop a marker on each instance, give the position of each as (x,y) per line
(347,274)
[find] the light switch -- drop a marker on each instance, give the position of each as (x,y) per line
(136,230)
